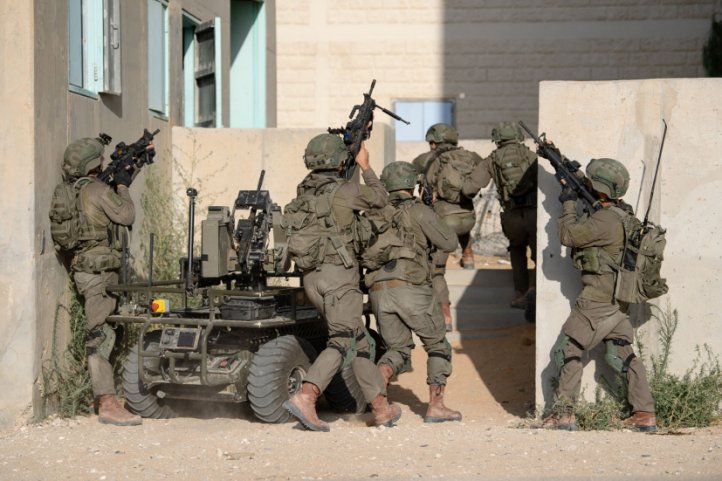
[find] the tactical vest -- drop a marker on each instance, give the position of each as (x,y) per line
(636,266)
(514,169)
(314,236)
(394,238)
(69,226)
(455,165)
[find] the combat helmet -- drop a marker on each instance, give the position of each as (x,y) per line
(442,134)
(608,176)
(81,157)
(505,131)
(325,152)
(399,175)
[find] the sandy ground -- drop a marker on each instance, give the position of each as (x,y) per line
(492,385)
(225,442)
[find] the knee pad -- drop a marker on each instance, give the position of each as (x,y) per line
(619,355)
(400,361)
(560,354)
(100,341)
(346,344)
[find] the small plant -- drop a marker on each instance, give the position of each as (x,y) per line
(66,383)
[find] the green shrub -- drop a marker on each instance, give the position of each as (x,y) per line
(66,382)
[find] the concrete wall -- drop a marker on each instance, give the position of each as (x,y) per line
(487,56)
(220,162)
(19,244)
(622,120)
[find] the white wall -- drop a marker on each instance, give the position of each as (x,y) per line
(623,120)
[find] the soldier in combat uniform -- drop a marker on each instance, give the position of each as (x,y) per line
(514,170)
(104,211)
(402,297)
(332,282)
(444,169)
(597,241)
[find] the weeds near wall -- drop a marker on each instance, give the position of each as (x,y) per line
(689,400)
(66,382)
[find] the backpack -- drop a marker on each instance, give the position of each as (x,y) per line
(454,167)
(311,228)
(514,168)
(394,237)
(66,219)
(638,277)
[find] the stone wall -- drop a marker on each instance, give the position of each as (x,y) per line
(487,56)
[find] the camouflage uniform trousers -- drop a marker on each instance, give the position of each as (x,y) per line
(461,224)
(519,226)
(98,306)
(399,311)
(334,291)
(589,324)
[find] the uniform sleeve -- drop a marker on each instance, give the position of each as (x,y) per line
(435,229)
(479,178)
(369,196)
(598,230)
(118,206)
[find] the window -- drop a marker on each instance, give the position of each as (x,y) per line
(94,46)
(248,64)
(421,114)
(207,75)
(190,24)
(158,56)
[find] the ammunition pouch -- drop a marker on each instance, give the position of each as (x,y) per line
(593,260)
(97,259)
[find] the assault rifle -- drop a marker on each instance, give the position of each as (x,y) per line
(359,128)
(128,157)
(566,171)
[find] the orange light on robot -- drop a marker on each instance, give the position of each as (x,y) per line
(160,305)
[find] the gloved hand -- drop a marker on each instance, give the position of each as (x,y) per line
(568,194)
(123,177)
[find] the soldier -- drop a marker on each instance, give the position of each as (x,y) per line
(401,294)
(597,241)
(443,171)
(331,274)
(104,211)
(514,170)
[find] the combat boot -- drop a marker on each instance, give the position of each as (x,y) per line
(467,258)
(566,421)
(387,372)
(302,405)
(385,413)
(519,301)
(446,311)
(437,412)
(641,421)
(110,411)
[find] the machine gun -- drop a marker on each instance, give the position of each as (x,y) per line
(128,157)
(566,171)
(359,128)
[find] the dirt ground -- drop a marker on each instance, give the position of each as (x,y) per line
(226,442)
(492,385)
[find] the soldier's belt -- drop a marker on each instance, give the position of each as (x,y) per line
(390,284)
